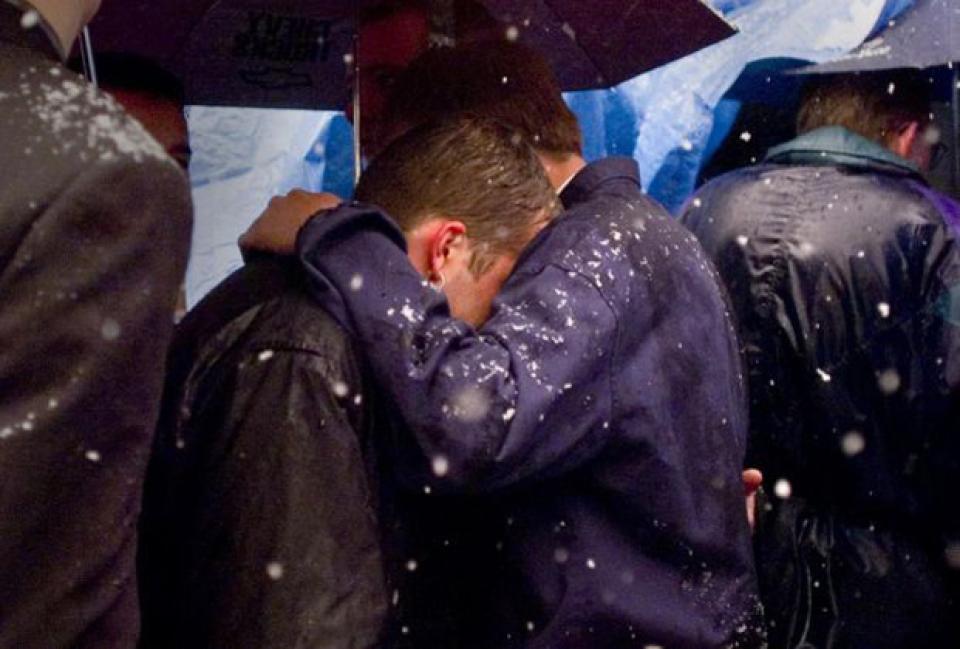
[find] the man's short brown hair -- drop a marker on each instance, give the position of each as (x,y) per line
(472,169)
(502,80)
(874,105)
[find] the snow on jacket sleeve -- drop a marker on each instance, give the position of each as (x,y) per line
(524,397)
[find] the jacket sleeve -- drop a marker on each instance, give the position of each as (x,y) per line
(526,396)
(282,547)
(87,312)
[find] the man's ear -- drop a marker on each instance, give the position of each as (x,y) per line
(903,140)
(447,242)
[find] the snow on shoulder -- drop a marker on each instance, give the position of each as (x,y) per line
(78,120)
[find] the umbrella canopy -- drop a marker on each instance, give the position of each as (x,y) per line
(290,53)
(927,36)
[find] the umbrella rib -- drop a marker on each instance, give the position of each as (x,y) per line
(553,10)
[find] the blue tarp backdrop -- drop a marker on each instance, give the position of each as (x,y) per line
(670,120)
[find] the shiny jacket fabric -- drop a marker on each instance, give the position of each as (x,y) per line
(94,230)
(844,279)
(593,429)
(261,524)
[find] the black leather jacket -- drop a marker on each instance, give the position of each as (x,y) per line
(262,516)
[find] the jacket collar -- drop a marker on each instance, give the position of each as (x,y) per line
(40,37)
(835,145)
(602,172)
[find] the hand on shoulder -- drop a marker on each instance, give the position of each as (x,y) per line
(275,230)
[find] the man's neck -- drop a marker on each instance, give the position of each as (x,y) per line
(561,169)
(66,19)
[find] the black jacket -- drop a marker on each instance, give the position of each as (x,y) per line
(94,230)
(261,524)
(844,279)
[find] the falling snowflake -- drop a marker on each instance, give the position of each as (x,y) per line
(110,330)
(884,310)
(275,570)
(782,489)
(742,240)
(888,381)
(29,19)
(471,404)
(412,565)
(356,282)
(746,136)
(265,355)
(92,455)
(440,466)
(512,33)
(852,443)
(952,554)
(826,378)
(341,389)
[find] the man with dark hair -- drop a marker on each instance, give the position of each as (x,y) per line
(597,417)
(94,230)
(395,32)
(507,81)
(844,278)
(267,520)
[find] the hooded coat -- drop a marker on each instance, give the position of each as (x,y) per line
(844,278)
(592,431)
(94,230)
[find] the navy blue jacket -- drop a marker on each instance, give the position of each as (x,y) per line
(596,423)
(845,280)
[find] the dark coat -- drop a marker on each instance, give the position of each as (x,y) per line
(261,524)
(94,231)
(595,425)
(844,280)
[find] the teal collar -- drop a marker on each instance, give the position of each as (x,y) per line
(835,145)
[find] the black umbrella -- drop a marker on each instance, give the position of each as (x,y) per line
(927,36)
(290,53)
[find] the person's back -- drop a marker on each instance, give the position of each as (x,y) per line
(94,229)
(261,523)
(841,274)
(655,545)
